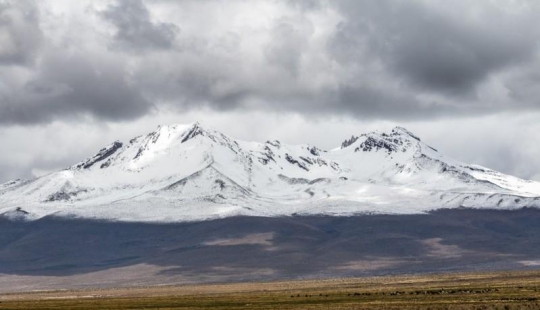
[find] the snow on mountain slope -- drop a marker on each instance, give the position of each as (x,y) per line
(10,184)
(188,173)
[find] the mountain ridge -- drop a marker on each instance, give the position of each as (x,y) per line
(191,173)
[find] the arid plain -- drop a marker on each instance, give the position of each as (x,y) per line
(500,290)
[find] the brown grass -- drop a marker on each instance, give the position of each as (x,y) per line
(502,290)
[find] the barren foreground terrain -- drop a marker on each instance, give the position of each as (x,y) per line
(502,290)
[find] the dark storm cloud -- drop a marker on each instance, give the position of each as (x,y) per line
(434,49)
(384,60)
(75,85)
(135,29)
(370,103)
(20,35)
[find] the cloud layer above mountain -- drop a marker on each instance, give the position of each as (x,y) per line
(108,62)
(120,60)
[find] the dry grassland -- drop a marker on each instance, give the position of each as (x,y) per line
(501,290)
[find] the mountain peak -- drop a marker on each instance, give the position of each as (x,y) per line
(193,130)
(377,135)
(178,128)
(184,132)
(402,130)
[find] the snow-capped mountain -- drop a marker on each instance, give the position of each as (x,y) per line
(187,172)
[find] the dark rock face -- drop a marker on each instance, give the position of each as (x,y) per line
(268,155)
(346,143)
(152,137)
(101,155)
(293,161)
(195,131)
(397,139)
(64,195)
(302,180)
(11,183)
(377,144)
(390,143)
(60,196)
(314,151)
(220,183)
(307,160)
(19,209)
(274,143)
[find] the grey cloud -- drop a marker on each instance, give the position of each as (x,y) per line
(10,171)
(371,102)
(306,5)
(397,60)
(524,87)
(287,43)
(135,29)
(432,49)
(67,86)
(20,35)
(388,54)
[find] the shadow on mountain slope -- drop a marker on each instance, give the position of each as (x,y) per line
(253,248)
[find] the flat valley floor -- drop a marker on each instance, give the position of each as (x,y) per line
(500,290)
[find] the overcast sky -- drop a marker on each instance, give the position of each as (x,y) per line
(77,75)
